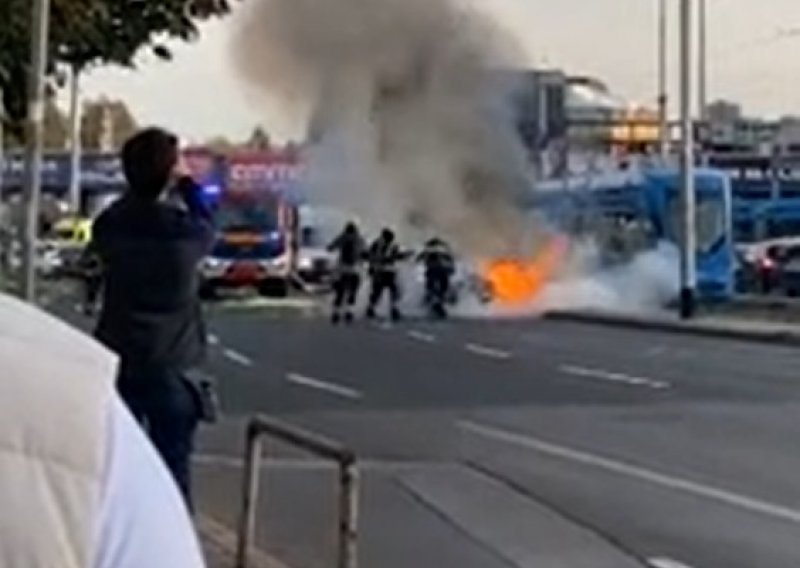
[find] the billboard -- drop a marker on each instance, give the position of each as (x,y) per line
(103,171)
(98,172)
(277,171)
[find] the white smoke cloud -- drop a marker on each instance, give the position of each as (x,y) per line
(410,127)
(409,117)
(644,284)
(647,282)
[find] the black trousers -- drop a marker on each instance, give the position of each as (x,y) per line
(437,284)
(345,290)
(91,288)
(384,282)
(164,404)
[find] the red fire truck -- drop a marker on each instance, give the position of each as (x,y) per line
(257,223)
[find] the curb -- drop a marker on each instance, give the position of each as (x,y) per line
(219,545)
(667,325)
(769,303)
(286,305)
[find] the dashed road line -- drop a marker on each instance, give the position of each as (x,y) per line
(237,357)
(724,496)
(325,386)
(613,377)
(666,563)
(486,351)
(213,339)
(421,336)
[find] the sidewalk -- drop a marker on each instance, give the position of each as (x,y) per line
(219,547)
(412,514)
(711,325)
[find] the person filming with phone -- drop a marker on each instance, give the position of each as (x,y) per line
(149,243)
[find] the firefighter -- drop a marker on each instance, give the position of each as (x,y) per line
(439,262)
(351,250)
(384,254)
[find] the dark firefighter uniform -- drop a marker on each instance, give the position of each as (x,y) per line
(437,257)
(384,254)
(351,251)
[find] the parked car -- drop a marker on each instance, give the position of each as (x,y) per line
(315,263)
(789,279)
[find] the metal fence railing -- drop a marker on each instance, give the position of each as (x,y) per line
(260,427)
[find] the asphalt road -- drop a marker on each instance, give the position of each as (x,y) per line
(472,432)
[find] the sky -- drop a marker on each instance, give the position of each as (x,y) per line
(753,58)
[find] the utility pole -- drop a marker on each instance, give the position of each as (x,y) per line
(688,246)
(107,134)
(2,143)
(702,72)
(663,118)
(544,109)
(702,57)
(75,141)
(34,130)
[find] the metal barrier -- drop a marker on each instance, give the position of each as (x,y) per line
(261,426)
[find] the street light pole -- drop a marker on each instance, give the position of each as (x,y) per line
(702,64)
(688,246)
(34,130)
(663,120)
(75,141)
(702,72)
(2,144)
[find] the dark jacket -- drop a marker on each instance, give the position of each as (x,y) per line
(150,251)
(437,257)
(384,256)
(351,251)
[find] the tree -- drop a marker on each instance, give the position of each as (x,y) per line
(259,139)
(85,33)
(56,130)
(104,117)
(220,145)
(56,127)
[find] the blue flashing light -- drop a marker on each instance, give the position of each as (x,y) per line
(212,190)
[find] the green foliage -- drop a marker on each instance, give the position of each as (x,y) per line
(85,33)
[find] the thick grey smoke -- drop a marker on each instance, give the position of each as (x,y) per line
(409,118)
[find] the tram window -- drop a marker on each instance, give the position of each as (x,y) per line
(779,228)
(709,221)
(621,237)
(744,231)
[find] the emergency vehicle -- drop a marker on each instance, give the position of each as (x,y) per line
(257,226)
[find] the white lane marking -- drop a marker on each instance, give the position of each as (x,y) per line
(737,500)
(613,377)
(656,351)
(666,563)
(333,388)
(213,339)
(421,336)
(485,351)
(237,357)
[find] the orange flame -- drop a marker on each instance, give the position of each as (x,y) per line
(516,281)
